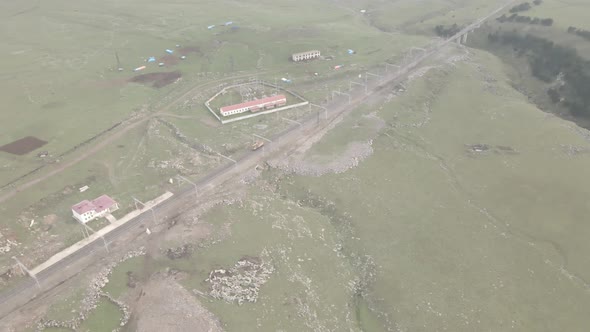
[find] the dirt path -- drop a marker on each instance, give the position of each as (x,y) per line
(170,115)
(110,171)
(107,141)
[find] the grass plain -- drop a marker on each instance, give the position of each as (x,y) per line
(457,240)
(60,84)
(425,234)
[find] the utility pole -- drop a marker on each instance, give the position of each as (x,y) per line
(356,83)
(86,227)
(387,65)
(136,201)
(182,178)
(24,270)
(263,138)
(292,121)
(321,108)
(340,93)
(263,146)
(367,74)
(413,48)
(226,157)
(119,68)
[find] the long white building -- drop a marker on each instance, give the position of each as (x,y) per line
(309,55)
(254,105)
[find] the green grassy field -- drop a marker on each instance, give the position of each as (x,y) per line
(423,235)
(68,90)
(565,13)
(435,234)
(102,319)
(458,236)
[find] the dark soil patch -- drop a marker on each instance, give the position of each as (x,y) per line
(189,49)
(169,60)
(157,80)
(23,145)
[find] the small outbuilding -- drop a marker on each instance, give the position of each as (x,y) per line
(309,55)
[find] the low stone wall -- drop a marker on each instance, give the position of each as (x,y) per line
(92,298)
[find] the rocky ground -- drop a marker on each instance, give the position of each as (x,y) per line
(92,297)
(242,282)
(165,305)
(354,153)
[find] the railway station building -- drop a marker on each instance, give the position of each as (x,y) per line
(86,210)
(309,55)
(254,105)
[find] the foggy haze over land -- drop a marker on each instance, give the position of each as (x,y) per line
(295,165)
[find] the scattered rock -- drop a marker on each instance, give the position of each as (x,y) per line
(478,147)
(179,252)
(242,282)
(350,158)
(572,151)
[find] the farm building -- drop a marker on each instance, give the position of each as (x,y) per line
(305,55)
(86,210)
(254,105)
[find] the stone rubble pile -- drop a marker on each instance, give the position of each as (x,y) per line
(179,252)
(354,154)
(242,282)
(571,150)
(6,244)
(93,294)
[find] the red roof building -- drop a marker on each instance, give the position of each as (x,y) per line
(102,203)
(254,105)
(83,207)
(86,210)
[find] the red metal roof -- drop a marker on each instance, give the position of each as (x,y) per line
(103,202)
(99,204)
(255,102)
(83,207)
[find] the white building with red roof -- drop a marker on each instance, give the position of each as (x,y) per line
(86,210)
(254,105)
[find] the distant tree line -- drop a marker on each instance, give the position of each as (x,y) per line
(549,61)
(521,8)
(580,32)
(525,19)
(524,6)
(449,31)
